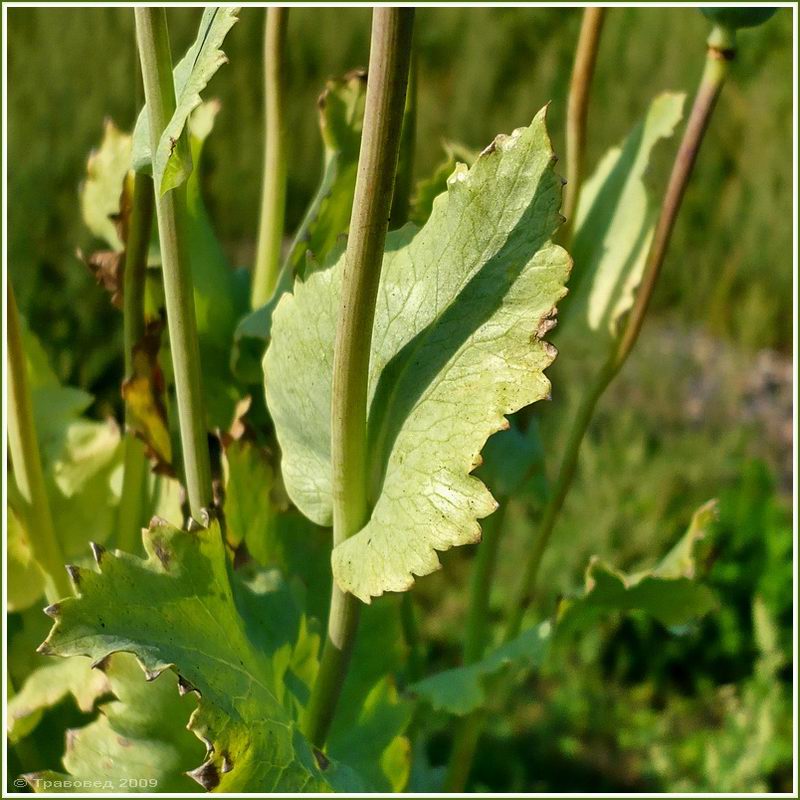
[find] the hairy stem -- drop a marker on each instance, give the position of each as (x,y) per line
(159,91)
(380,143)
(273,191)
(578,109)
(23,447)
(721,50)
(130,511)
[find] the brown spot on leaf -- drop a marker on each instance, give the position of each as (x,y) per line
(74,575)
(207,775)
(163,555)
(98,551)
(184,687)
(53,610)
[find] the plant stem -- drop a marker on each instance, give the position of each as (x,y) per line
(380,143)
(129,513)
(721,50)
(578,109)
(23,447)
(273,192)
(159,91)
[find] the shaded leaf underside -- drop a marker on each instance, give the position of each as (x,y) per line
(462,307)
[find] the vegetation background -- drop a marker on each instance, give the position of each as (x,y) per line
(702,409)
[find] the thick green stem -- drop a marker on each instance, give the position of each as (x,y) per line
(130,513)
(720,52)
(159,91)
(578,109)
(23,447)
(273,190)
(380,143)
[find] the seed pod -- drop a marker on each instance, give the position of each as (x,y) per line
(739,17)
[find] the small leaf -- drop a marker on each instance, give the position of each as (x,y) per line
(666,592)
(220,635)
(341,117)
(173,161)
(456,347)
(613,229)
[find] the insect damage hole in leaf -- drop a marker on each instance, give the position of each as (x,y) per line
(455,350)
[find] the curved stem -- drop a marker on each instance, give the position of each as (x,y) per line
(720,52)
(578,110)
(273,192)
(130,516)
(152,37)
(23,447)
(410,628)
(377,163)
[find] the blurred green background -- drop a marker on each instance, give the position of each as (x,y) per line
(702,409)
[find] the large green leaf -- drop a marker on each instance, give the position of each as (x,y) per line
(457,344)
(138,743)
(226,639)
(613,229)
(173,163)
(341,116)
(668,592)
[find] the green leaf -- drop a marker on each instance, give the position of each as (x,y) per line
(341,117)
(462,305)
(223,637)
(138,743)
(667,592)
(613,229)
(105,176)
(173,161)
